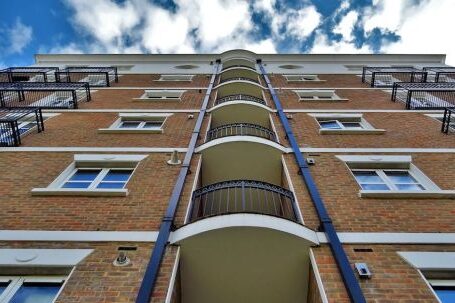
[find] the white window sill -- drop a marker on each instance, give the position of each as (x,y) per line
(306,80)
(375,131)
(401,194)
(129,131)
(322,100)
(156,99)
(120,192)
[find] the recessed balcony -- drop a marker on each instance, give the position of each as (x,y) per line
(239,97)
(239,62)
(242,196)
(240,129)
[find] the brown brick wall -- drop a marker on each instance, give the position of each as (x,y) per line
(149,191)
(314,295)
(149,80)
(330,81)
(81,129)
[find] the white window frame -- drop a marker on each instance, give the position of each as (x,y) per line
(17,281)
(99,178)
(303,78)
(137,117)
(386,180)
(366,128)
(161,95)
(318,95)
(175,77)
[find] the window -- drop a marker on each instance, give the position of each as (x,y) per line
(176,77)
(25,289)
(444,290)
(162,95)
(137,123)
(318,95)
(385,179)
(293,78)
(140,124)
(344,123)
(335,124)
(91,178)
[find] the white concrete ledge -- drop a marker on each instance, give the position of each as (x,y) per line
(42,257)
(121,192)
(237,139)
(429,260)
(323,100)
(391,238)
(375,131)
(240,102)
(129,131)
(96,149)
(411,194)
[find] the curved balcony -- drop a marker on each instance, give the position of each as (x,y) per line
(243,196)
(240,129)
(239,66)
(239,97)
(239,79)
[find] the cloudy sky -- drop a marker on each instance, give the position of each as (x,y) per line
(187,26)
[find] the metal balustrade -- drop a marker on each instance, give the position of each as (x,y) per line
(239,65)
(239,79)
(94,75)
(448,121)
(28,74)
(43,94)
(387,76)
(15,122)
(440,74)
(240,129)
(239,97)
(243,196)
(428,95)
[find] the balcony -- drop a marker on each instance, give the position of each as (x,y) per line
(239,66)
(43,95)
(448,121)
(95,76)
(242,196)
(231,79)
(239,97)
(15,122)
(440,74)
(240,129)
(239,62)
(425,95)
(387,76)
(28,74)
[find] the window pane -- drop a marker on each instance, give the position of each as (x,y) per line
(400,177)
(409,187)
(445,294)
(367,177)
(3,286)
(85,175)
(129,124)
(374,186)
(329,125)
(153,124)
(36,293)
(118,175)
(111,185)
(76,184)
(352,124)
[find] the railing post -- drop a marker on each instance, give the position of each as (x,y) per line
(107,79)
(408,99)
(243,196)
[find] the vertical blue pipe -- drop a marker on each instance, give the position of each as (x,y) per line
(152,270)
(349,279)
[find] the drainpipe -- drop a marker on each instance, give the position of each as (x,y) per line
(151,273)
(349,279)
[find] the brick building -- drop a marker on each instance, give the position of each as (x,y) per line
(233,177)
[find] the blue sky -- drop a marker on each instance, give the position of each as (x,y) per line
(28,27)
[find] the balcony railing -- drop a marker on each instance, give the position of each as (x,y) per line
(448,121)
(440,74)
(239,79)
(239,97)
(243,196)
(14,122)
(425,95)
(240,129)
(95,76)
(43,94)
(387,76)
(28,74)
(239,65)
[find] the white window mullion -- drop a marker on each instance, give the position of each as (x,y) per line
(99,178)
(13,287)
(384,178)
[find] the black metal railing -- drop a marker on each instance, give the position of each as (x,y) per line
(28,74)
(239,79)
(387,76)
(440,74)
(240,129)
(95,76)
(15,122)
(238,65)
(428,95)
(243,196)
(448,121)
(239,97)
(43,94)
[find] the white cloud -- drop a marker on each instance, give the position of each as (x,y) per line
(19,36)
(267,6)
(322,45)
(297,23)
(346,25)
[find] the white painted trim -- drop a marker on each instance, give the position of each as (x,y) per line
(96,158)
(298,110)
(411,194)
(243,220)
(216,107)
(236,139)
(193,188)
(429,260)
(377,150)
(318,278)
(98,192)
(158,87)
(78,236)
(173,277)
(170,110)
(292,189)
(391,238)
(374,131)
(96,149)
(237,68)
(42,257)
(239,81)
(375,159)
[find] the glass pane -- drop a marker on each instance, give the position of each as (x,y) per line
(352,124)
(118,175)
(367,177)
(445,294)
(153,124)
(409,187)
(374,187)
(400,177)
(329,125)
(26,127)
(129,124)
(111,185)
(3,286)
(36,293)
(76,184)
(85,175)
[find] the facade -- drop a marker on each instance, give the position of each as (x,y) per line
(233,177)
